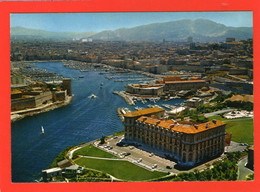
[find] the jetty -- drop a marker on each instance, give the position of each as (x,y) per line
(128,99)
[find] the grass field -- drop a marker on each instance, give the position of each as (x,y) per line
(242,129)
(90,150)
(120,169)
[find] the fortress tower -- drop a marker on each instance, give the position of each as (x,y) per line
(67,85)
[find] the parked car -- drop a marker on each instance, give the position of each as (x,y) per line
(154,166)
(151,154)
(168,167)
(127,154)
(120,144)
(139,160)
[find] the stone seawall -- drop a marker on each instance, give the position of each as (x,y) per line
(17,115)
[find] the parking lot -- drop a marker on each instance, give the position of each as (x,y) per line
(152,159)
(145,159)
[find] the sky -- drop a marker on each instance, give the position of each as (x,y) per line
(96,22)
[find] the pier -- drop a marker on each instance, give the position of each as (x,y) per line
(128,99)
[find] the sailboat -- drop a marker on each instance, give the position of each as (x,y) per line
(42,130)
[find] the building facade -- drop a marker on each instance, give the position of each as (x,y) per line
(144,89)
(184,85)
(186,142)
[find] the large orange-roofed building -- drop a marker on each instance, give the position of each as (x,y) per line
(188,143)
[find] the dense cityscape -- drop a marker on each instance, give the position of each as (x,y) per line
(187,112)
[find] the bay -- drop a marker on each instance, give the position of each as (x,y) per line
(83,120)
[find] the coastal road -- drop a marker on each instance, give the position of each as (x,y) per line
(243,171)
(218,112)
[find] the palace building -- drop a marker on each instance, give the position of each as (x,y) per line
(188,143)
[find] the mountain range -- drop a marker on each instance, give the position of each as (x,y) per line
(202,30)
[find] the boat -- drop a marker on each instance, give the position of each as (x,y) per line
(92,96)
(101,85)
(42,130)
(81,76)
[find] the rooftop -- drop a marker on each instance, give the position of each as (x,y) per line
(246,98)
(15,91)
(52,170)
(188,81)
(188,128)
(144,112)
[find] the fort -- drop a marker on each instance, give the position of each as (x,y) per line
(169,84)
(39,98)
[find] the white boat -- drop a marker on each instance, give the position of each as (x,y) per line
(92,96)
(42,130)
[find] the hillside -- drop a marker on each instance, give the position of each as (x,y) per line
(201,30)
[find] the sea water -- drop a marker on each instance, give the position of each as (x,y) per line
(83,120)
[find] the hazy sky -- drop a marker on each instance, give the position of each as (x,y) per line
(80,22)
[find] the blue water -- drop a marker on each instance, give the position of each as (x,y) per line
(83,120)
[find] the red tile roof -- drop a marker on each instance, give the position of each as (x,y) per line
(184,128)
(188,81)
(144,112)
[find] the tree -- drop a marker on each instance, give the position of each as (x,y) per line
(102,139)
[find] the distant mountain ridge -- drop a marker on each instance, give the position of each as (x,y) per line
(36,34)
(202,30)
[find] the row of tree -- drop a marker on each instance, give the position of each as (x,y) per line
(225,170)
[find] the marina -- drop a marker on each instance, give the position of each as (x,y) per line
(83,120)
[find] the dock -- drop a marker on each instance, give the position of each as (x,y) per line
(127,98)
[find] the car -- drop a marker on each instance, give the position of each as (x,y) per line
(110,147)
(151,154)
(131,147)
(106,146)
(123,153)
(139,160)
(125,145)
(115,137)
(119,144)
(127,154)
(154,166)
(168,167)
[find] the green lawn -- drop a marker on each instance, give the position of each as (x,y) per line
(242,129)
(120,169)
(90,150)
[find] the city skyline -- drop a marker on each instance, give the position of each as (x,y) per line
(96,22)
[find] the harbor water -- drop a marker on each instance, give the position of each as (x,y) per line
(83,120)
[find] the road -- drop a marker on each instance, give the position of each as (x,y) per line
(243,171)
(234,146)
(218,112)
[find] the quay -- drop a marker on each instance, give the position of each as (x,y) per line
(120,114)
(126,97)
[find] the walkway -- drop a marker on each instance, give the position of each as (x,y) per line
(102,158)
